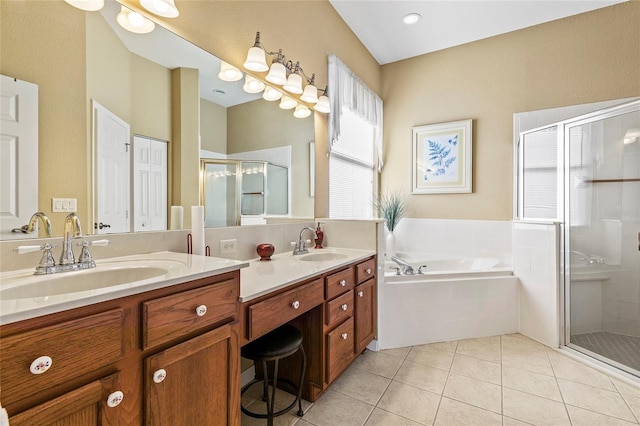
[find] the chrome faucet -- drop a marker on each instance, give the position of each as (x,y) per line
(301,246)
(72,229)
(405,268)
(31,227)
(589,259)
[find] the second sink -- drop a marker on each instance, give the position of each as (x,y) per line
(323,257)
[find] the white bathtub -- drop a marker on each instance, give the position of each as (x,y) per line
(454,299)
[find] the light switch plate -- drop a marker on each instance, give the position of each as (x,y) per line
(64,205)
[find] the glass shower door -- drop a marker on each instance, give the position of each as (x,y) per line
(602,225)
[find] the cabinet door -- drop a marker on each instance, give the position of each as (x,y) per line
(84,406)
(365,314)
(196,382)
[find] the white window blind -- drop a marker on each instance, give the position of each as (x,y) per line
(351,168)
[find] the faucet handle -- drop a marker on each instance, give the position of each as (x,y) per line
(97,243)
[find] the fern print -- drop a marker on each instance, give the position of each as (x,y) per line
(442,161)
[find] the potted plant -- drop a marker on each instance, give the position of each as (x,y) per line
(391,207)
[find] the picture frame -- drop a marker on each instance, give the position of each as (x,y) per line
(442,158)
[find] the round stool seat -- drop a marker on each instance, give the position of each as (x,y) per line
(278,343)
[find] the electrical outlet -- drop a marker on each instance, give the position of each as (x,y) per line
(228,246)
(64,205)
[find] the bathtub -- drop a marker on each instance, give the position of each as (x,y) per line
(453,299)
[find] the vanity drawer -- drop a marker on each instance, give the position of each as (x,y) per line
(169,317)
(74,347)
(339,349)
(366,270)
(339,309)
(339,283)
(277,310)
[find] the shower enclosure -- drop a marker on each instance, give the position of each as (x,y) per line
(584,172)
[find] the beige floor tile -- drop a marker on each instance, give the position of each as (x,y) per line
(422,376)
(518,342)
(575,371)
(530,382)
(441,346)
(626,388)
(477,369)
(283,420)
(533,409)
(538,362)
(334,408)
(581,417)
(427,355)
(397,352)
(300,422)
(361,385)
(475,392)
(378,363)
(595,399)
(634,404)
(452,413)
(410,402)
(508,421)
(487,348)
(384,418)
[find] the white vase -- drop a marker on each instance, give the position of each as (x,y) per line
(391,244)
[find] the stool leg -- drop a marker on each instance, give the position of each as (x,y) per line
(265,382)
(271,402)
(302,371)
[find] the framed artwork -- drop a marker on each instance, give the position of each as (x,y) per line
(441,161)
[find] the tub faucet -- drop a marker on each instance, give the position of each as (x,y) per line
(72,229)
(404,266)
(301,246)
(31,227)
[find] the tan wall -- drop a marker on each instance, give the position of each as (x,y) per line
(585,58)
(150,99)
(213,127)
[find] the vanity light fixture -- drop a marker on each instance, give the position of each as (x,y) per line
(288,103)
(252,84)
(271,94)
(294,81)
(310,93)
(164,8)
(301,112)
(134,22)
(278,71)
(88,5)
(631,135)
(229,73)
(323,103)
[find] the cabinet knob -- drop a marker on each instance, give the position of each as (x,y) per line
(344,336)
(343,283)
(360,293)
(295,304)
(201,310)
(368,270)
(159,375)
(40,365)
(344,307)
(114,399)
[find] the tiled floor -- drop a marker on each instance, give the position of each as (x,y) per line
(617,347)
(503,380)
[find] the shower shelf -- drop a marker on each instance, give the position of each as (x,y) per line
(612,180)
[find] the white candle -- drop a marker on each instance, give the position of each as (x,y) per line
(177,217)
(197,229)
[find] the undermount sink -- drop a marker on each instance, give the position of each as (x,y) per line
(322,257)
(73,282)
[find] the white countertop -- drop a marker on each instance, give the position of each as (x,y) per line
(180,268)
(263,277)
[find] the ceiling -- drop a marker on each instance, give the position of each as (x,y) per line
(447,23)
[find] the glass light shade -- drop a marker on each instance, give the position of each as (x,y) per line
(229,73)
(256,60)
(134,22)
(323,105)
(271,94)
(293,84)
(252,84)
(287,103)
(301,112)
(310,94)
(164,8)
(88,5)
(277,74)
(631,135)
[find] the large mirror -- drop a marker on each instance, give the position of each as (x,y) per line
(78,59)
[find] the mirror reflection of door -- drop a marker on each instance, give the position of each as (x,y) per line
(149,184)
(111,143)
(18,155)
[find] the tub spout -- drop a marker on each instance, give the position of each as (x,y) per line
(404,266)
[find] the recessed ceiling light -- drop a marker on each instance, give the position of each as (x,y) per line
(219,92)
(411,18)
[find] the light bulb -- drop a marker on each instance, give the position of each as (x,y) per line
(271,94)
(301,112)
(287,103)
(252,85)
(229,73)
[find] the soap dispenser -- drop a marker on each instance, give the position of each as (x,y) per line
(319,237)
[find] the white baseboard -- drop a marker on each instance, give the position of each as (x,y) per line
(247,375)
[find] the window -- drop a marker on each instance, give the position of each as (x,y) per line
(351,169)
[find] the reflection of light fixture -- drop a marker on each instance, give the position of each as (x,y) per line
(301,112)
(411,18)
(323,103)
(631,135)
(271,94)
(164,8)
(252,84)
(228,72)
(288,103)
(134,22)
(88,5)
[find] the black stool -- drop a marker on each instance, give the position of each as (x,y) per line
(280,343)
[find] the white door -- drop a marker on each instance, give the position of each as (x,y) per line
(18,155)
(111,192)
(149,184)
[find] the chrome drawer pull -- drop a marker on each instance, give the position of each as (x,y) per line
(159,375)
(295,304)
(344,307)
(368,270)
(40,365)
(114,399)
(201,310)
(360,293)
(343,283)
(344,336)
